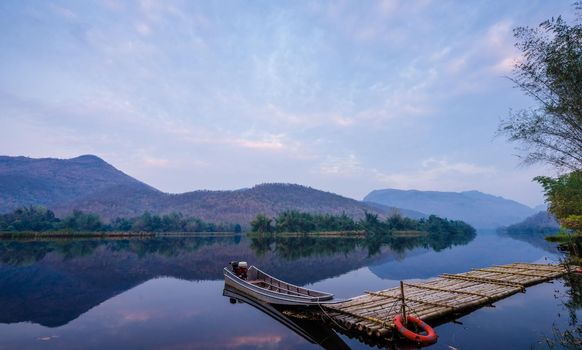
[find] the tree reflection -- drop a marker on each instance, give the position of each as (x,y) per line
(300,246)
(25,252)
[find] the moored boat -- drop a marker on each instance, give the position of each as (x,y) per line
(267,288)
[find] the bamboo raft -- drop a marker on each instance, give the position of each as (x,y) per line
(447,296)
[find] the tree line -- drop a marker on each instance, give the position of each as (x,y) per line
(303,222)
(41,219)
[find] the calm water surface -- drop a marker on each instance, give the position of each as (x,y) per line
(167,293)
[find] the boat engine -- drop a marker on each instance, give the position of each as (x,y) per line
(240,269)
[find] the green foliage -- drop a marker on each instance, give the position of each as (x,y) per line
(295,221)
(439,229)
(261,224)
(550,73)
(28,219)
(444,234)
(400,223)
(80,221)
(564,196)
(41,219)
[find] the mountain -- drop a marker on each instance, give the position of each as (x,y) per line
(413,214)
(50,182)
(478,209)
(542,221)
(90,184)
(239,206)
(534,229)
(541,207)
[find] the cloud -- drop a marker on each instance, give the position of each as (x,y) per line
(143,28)
(272,143)
(156,162)
(342,166)
(499,41)
(64,12)
(437,173)
(321,88)
(254,341)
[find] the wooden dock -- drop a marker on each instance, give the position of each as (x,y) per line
(445,297)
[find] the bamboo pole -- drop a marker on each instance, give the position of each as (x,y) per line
(403,303)
(411,299)
(484,280)
(372,319)
(510,273)
(446,290)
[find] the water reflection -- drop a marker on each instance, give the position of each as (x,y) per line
(52,282)
(313,331)
(167,292)
(295,247)
(535,238)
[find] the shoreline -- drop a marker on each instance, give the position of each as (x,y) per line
(106,235)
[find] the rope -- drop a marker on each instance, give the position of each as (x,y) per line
(390,309)
(331,318)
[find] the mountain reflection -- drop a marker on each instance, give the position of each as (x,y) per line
(52,282)
(536,238)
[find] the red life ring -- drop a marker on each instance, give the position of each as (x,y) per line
(429,338)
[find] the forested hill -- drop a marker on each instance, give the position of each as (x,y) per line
(478,209)
(239,206)
(51,182)
(90,184)
(540,222)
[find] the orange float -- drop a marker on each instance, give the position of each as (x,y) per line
(428,339)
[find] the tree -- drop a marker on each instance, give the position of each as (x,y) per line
(28,219)
(564,196)
(262,224)
(80,221)
(551,73)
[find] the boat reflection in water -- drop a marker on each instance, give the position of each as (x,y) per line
(310,323)
(316,332)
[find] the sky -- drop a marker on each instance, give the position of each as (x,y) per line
(343,96)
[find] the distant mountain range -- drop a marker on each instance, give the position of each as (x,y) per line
(478,209)
(90,184)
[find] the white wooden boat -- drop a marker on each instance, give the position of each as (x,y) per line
(267,288)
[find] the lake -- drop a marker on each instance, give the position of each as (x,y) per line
(167,292)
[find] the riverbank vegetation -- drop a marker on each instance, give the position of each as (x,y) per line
(437,234)
(301,222)
(564,197)
(38,219)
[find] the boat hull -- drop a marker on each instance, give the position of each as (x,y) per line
(270,296)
